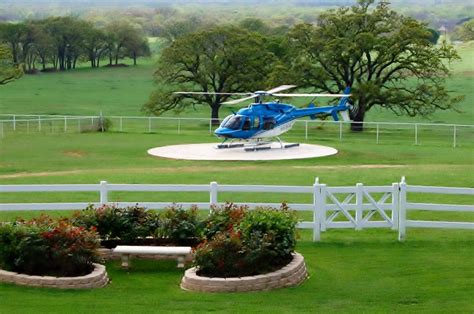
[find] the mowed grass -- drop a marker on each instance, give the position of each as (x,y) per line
(350,271)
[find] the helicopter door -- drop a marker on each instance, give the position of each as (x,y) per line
(246,125)
(268,123)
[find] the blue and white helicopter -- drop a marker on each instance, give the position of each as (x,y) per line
(253,127)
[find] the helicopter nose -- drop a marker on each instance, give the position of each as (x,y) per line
(223,132)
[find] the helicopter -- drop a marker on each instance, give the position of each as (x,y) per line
(255,126)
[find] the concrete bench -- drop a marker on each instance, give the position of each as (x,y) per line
(127,250)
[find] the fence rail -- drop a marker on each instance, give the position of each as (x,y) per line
(356,207)
(378,132)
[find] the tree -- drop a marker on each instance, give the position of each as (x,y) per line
(221,60)
(386,57)
(465,31)
(9,70)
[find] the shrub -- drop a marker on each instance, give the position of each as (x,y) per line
(276,226)
(222,256)
(47,247)
(247,243)
(180,225)
(223,218)
(125,224)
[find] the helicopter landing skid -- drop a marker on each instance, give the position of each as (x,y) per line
(256,146)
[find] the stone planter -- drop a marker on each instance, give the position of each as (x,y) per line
(96,279)
(292,274)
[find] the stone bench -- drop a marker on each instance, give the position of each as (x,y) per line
(127,250)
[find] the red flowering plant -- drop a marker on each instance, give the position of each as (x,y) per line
(45,246)
(240,242)
(126,225)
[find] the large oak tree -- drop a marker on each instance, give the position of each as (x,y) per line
(386,57)
(221,60)
(9,71)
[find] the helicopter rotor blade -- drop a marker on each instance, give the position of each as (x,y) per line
(211,93)
(279,89)
(312,95)
(236,101)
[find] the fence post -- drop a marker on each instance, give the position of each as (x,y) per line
(316,211)
(210,126)
(340,130)
(65,124)
(1,130)
(149,124)
(103,192)
(39,123)
(416,134)
(179,126)
(322,207)
(454,137)
(121,124)
(402,215)
(359,203)
(14,123)
(79,125)
(27,126)
(395,205)
(377,141)
(213,193)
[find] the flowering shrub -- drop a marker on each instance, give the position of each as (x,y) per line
(126,224)
(245,243)
(47,247)
(180,225)
(223,218)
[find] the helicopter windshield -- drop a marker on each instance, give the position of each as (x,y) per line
(233,123)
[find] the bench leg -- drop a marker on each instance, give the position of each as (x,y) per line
(125,261)
(180,262)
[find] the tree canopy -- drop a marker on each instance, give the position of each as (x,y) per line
(386,57)
(9,71)
(222,60)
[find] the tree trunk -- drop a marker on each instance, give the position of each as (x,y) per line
(215,115)
(357,124)
(134,58)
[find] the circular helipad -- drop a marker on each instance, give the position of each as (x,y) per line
(209,151)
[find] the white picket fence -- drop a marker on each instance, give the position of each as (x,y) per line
(357,207)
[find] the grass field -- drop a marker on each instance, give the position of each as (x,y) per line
(350,271)
(123,91)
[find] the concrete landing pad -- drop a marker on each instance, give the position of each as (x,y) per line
(208,151)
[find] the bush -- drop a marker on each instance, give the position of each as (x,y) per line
(180,226)
(223,218)
(47,247)
(114,223)
(245,243)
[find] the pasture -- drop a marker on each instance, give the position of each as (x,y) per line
(350,271)
(123,91)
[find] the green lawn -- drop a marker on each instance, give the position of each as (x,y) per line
(350,271)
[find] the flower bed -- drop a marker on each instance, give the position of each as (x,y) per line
(96,279)
(292,274)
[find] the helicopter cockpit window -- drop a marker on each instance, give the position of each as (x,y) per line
(246,125)
(268,123)
(233,123)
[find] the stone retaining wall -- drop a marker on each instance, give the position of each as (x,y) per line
(97,279)
(292,274)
